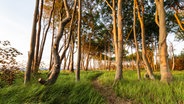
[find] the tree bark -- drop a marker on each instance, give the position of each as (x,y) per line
(136,43)
(141,20)
(115,37)
(79,42)
(35,63)
(44,36)
(56,58)
(118,75)
(166,75)
(72,54)
(27,75)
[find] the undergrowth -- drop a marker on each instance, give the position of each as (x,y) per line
(147,91)
(65,91)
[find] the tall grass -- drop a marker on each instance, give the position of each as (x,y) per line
(67,91)
(147,91)
(64,91)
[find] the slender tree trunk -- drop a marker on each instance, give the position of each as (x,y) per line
(87,62)
(65,62)
(136,43)
(79,42)
(72,53)
(118,75)
(115,29)
(45,35)
(172,56)
(88,54)
(166,75)
(53,34)
(56,58)
(115,37)
(35,63)
(69,60)
(147,65)
(109,58)
(27,75)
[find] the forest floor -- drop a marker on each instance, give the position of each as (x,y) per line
(108,93)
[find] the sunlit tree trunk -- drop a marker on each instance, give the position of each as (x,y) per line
(119,56)
(136,43)
(141,20)
(113,8)
(79,42)
(56,58)
(172,55)
(166,75)
(27,75)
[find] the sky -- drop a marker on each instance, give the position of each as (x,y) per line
(16,25)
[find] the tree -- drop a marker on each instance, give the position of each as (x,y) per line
(119,56)
(8,63)
(37,46)
(117,38)
(145,59)
(136,43)
(55,49)
(166,75)
(171,51)
(79,42)
(27,75)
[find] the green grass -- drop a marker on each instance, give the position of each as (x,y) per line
(147,91)
(64,91)
(67,91)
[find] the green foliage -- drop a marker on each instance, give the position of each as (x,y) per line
(8,63)
(147,91)
(64,91)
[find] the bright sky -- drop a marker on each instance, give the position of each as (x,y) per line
(16,23)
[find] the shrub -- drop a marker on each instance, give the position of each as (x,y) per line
(8,63)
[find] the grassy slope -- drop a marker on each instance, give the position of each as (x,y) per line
(65,91)
(147,91)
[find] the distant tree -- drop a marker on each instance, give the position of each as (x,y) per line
(8,63)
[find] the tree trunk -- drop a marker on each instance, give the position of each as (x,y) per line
(79,42)
(115,37)
(166,75)
(136,43)
(27,75)
(72,53)
(35,63)
(44,36)
(56,58)
(118,75)
(172,56)
(53,34)
(141,20)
